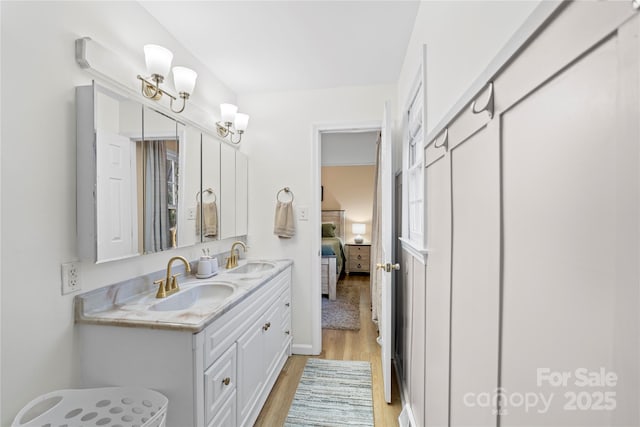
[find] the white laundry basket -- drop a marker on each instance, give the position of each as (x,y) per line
(108,406)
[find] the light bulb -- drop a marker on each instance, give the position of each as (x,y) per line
(158,59)
(184,79)
(228,112)
(242,121)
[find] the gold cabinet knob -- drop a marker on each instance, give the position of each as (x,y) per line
(226,381)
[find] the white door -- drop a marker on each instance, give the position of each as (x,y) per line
(386,242)
(116,209)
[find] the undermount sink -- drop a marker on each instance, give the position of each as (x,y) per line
(253,267)
(206,294)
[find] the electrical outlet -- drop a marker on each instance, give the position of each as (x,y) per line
(70,278)
(191,213)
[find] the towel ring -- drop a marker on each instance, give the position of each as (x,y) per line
(209,191)
(286,190)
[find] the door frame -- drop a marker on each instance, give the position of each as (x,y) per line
(316,217)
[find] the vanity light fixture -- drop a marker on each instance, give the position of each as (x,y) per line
(229,116)
(158,60)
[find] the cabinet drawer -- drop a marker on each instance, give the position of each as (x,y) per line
(356,266)
(220,382)
(359,257)
(226,416)
(359,250)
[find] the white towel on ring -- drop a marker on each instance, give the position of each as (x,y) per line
(284,224)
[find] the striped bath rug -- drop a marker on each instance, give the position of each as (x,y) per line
(333,393)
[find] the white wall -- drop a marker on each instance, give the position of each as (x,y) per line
(462,37)
(39,75)
(349,148)
(281,154)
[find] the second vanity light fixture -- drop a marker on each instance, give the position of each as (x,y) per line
(229,116)
(158,60)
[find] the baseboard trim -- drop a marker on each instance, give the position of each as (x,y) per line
(406,418)
(303,349)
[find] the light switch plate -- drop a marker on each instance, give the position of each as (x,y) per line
(303,213)
(191,213)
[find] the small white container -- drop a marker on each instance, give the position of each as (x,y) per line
(204,268)
(214,265)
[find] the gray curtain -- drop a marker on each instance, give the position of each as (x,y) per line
(156,214)
(376,246)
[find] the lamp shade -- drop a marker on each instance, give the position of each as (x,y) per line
(158,59)
(184,79)
(228,112)
(242,121)
(357,228)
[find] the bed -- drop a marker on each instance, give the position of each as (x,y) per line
(333,258)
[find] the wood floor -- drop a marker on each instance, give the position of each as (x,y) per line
(338,345)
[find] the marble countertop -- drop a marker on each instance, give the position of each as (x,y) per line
(128,303)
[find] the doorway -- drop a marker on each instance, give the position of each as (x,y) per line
(316,218)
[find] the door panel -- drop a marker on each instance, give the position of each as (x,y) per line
(560,269)
(475,281)
(438,289)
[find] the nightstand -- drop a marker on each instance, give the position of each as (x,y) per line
(358,257)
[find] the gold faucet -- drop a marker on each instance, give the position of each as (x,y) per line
(232,261)
(170,284)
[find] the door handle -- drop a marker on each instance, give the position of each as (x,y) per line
(388,267)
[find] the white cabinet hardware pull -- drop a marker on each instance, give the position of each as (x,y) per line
(488,106)
(226,381)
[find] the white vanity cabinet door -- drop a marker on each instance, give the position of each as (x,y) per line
(252,360)
(220,382)
(226,415)
(285,319)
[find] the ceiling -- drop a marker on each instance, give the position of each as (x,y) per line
(269,46)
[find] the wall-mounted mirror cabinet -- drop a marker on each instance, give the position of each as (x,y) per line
(234,213)
(147,183)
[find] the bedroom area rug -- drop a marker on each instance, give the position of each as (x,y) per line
(344,312)
(333,393)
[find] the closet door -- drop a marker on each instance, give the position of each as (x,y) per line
(570,194)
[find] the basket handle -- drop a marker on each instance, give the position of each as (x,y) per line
(54,396)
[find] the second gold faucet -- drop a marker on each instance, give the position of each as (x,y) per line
(232,261)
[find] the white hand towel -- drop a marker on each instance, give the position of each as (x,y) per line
(210,215)
(284,224)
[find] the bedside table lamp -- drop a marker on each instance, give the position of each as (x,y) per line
(358,230)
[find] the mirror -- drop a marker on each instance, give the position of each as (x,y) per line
(158,171)
(148,183)
(233,169)
(117,126)
(210,198)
